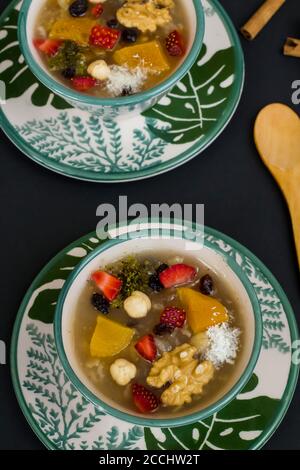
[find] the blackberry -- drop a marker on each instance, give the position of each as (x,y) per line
(78,8)
(154,283)
(113,23)
(129,35)
(126,91)
(161,268)
(69,72)
(162,329)
(206,285)
(100,303)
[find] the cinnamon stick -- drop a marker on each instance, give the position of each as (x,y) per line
(260,18)
(292,47)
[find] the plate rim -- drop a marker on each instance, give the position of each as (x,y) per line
(291,319)
(122,177)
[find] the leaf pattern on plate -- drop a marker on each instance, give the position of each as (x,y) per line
(60,410)
(116,440)
(91,143)
(46,294)
(240,422)
(270,304)
(198,100)
(14,71)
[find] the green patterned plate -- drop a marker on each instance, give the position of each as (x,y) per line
(63,419)
(80,145)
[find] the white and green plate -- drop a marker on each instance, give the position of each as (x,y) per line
(77,144)
(63,419)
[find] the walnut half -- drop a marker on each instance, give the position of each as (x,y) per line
(146,16)
(186,374)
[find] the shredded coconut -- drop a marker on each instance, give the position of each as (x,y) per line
(123,78)
(223,344)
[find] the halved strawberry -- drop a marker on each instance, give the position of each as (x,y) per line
(173,317)
(177,274)
(83,83)
(48,46)
(105,37)
(144,399)
(146,347)
(97,10)
(109,285)
(175,44)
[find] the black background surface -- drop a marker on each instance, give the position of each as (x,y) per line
(42,212)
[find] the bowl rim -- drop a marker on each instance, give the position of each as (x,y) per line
(82,98)
(164,422)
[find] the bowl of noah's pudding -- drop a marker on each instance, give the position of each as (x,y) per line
(111,57)
(157,333)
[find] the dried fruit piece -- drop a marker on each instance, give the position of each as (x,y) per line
(177,274)
(174,44)
(109,338)
(72,29)
(146,347)
(100,303)
(202,311)
(113,23)
(206,285)
(173,317)
(108,284)
(97,10)
(129,35)
(105,37)
(69,72)
(162,267)
(144,399)
(83,83)
(48,46)
(149,55)
(78,8)
(162,329)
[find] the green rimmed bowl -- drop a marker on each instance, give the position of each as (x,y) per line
(109,107)
(140,240)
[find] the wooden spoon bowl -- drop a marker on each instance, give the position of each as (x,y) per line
(277,138)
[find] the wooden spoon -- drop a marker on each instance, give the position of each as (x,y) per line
(277,138)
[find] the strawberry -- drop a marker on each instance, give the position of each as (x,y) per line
(97,10)
(105,37)
(109,285)
(173,317)
(48,46)
(146,347)
(83,83)
(144,399)
(177,274)
(174,44)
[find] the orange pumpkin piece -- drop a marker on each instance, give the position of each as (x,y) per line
(109,338)
(149,55)
(202,310)
(72,29)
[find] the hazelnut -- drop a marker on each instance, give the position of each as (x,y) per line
(137,305)
(99,70)
(122,371)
